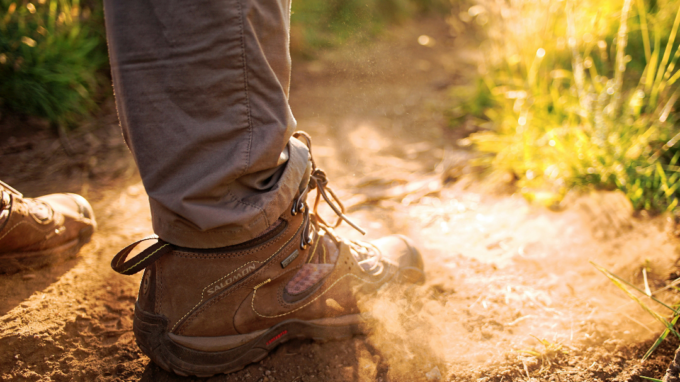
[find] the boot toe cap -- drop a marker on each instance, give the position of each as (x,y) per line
(76,210)
(84,207)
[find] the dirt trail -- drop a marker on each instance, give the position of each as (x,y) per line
(502,274)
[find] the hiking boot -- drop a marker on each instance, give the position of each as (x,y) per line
(35,232)
(207,311)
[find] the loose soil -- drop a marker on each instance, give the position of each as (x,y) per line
(510,296)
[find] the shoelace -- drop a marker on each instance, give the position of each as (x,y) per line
(5,192)
(365,253)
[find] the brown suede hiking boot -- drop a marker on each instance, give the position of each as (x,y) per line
(208,311)
(35,232)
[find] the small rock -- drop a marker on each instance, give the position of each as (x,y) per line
(434,374)
(29,276)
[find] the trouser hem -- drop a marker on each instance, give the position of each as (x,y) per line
(176,230)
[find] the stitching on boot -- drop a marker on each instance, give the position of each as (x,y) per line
(252,302)
(218,255)
(291,305)
(151,254)
(22,222)
(261,262)
(311,253)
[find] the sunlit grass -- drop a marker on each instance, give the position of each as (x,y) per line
(582,94)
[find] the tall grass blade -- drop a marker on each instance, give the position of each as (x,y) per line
(612,275)
(620,64)
(666,56)
(644,306)
(659,340)
(642,13)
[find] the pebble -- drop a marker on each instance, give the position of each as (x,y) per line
(29,276)
(434,374)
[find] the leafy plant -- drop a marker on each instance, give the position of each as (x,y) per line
(49,59)
(574,105)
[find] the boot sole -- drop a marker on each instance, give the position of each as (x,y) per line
(154,340)
(21,261)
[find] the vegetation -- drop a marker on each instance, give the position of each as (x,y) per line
(581,93)
(648,294)
(319,24)
(50,58)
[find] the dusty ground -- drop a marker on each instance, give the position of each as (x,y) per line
(502,274)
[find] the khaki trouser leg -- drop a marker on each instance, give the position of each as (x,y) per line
(202,94)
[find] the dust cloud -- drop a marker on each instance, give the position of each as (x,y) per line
(511,284)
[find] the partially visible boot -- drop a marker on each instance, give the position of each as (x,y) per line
(673,371)
(208,311)
(35,232)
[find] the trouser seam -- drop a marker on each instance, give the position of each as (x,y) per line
(248,108)
(245,89)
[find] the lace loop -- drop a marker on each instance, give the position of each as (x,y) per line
(11,190)
(319,180)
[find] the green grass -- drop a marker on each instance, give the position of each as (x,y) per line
(582,94)
(50,58)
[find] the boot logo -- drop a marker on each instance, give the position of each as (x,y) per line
(290,259)
(232,279)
